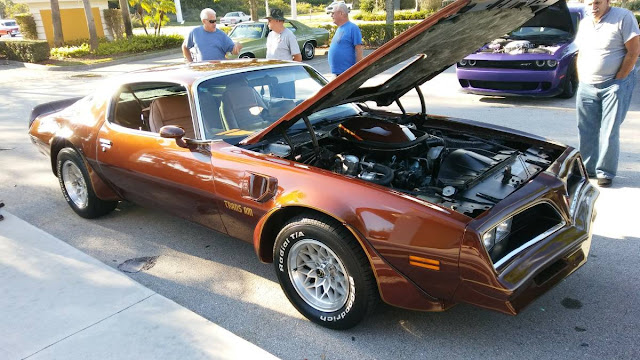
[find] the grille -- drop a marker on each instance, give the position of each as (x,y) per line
(527,228)
(519,65)
(498,85)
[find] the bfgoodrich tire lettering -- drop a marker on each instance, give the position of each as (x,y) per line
(76,186)
(324,272)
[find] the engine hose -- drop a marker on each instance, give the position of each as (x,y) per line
(456,143)
(384,170)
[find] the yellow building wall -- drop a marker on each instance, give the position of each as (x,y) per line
(74,24)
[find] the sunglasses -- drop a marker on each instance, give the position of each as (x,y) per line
(211,21)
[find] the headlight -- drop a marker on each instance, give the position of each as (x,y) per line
(552,63)
(462,62)
(497,234)
(540,63)
(472,62)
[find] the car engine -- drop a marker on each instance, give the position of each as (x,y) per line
(514,47)
(459,171)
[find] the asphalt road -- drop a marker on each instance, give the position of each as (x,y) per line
(594,314)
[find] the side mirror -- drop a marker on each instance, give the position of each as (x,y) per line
(174,132)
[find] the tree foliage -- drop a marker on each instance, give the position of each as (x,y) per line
(8,9)
(153,13)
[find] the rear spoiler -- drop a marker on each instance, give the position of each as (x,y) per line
(51,107)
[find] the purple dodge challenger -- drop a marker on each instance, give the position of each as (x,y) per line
(537,59)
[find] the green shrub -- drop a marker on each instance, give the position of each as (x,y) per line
(70,51)
(306,8)
(113,22)
(139,43)
(367,6)
(25,50)
(398,15)
(432,5)
(373,34)
(633,5)
(27,26)
(285,6)
(135,44)
(638,18)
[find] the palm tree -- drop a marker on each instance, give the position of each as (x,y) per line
(58,39)
(126,18)
(91,24)
(388,33)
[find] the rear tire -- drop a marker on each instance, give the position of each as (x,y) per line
(324,272)
(77,188)
(246,56)
(308,51)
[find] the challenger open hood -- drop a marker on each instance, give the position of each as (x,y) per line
(556,16)
(427,49)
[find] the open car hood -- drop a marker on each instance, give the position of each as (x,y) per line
(429,48)
(556,16)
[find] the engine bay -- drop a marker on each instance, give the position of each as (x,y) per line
(515,47)
(453,169)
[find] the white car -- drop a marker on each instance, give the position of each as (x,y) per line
(235,17)
(329,9)
(9,27)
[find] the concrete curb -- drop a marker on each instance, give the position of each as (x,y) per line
(118,61)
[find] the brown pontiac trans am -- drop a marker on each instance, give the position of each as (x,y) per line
(351,203)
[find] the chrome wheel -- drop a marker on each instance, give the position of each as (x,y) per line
(318,275)
(74,184)
(308,51)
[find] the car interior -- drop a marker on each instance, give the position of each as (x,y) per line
(228,104)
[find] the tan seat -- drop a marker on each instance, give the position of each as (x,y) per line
(171,110)
(237,103)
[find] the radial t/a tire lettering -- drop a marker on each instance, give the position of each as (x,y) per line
(77,188)
(324,272)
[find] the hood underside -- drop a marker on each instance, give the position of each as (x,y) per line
(556,16)
(428,48)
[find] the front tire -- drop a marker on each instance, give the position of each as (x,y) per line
(324,272)
(308,51)
(246,56)
(570,85)
(77,188)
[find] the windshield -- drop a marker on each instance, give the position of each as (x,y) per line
(537,31)
(239,104)
(249,31)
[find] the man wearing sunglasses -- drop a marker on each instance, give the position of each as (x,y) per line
(206,43)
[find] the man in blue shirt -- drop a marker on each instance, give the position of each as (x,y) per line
(346,45)
(206,43)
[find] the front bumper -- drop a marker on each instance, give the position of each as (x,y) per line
(486,81)
(514,284)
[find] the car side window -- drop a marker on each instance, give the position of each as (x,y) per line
(133,106)
(290,26)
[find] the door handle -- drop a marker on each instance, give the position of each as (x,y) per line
(105,144)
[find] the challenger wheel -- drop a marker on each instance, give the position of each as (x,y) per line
(76,186)
(308,51)
(246,56)
(324,272)
(570,85)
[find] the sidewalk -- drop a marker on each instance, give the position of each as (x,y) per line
(59,303)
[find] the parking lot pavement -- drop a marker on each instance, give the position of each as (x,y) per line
(58,302)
